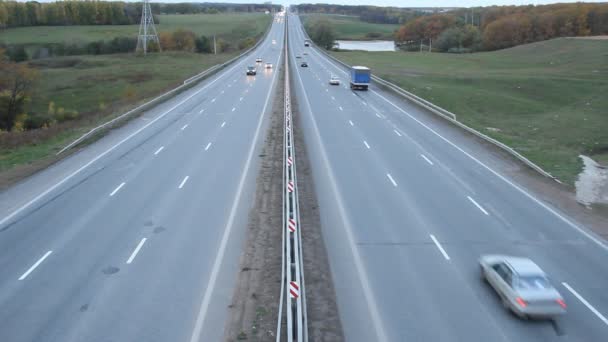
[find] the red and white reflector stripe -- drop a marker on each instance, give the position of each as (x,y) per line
(290,186)
(292,225)
(289,161)
(294,289)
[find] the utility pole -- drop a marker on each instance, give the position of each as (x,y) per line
(420,45)
(214,46)
(147,31)
(430,43)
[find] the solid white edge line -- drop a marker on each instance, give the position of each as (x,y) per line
(397,132)
(159,149)
(367,292)
(219,256)
(181,185)
(184,127)
(351,123)
(427,159)
(585,233)
(477,205)
(103,154)
(366,144)
(134,254)
(31,269)
(207,147)
(586,303)
(391,179)
(445,255)
(117,188)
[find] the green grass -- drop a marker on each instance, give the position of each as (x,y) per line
(99,87)
(222,25)
(547,100)
(351,28)
(89,83)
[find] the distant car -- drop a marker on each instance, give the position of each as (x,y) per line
(251,70)
(305,53)
(304,64)
(522,286)
(298,56)
(334,80)
(268,65)
(258,60)
(274,41)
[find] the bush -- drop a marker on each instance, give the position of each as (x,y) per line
(203,45)
(17,53)
(246,43)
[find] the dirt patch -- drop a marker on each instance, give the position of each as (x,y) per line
(253,311)
(322,310)
(592,183)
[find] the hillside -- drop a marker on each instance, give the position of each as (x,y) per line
(223,25)
(351,28)
(546,99)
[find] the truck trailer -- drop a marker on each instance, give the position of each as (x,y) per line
(359,77)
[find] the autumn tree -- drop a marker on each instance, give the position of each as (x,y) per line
(16,80)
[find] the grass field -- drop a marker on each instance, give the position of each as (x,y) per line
(351,28)
(222,25)
(97,87)
(100,87)
(547,100)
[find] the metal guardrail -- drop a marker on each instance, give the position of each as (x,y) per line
(161,98)
(443,113)
(293,280)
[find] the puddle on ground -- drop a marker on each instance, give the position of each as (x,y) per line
(592,183)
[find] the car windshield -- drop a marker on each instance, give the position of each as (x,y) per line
(250,68)
(533,282)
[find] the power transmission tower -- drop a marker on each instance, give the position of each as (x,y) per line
(147,31)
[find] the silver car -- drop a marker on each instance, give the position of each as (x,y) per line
(522,286)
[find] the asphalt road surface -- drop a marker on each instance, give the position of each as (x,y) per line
(137,238)
(408,205)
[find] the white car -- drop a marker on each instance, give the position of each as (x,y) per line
(522,286)
(274,41)
(258,60)
(268,65)
(334,80)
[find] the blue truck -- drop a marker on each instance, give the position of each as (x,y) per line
(359,77)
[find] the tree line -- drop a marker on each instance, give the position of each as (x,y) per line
(94,12)
(499,27)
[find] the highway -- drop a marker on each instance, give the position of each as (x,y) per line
(138,236)
(409,203)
